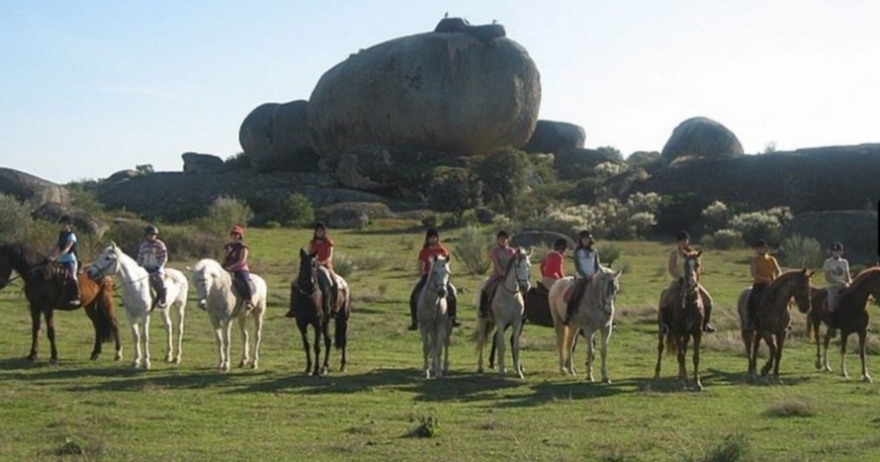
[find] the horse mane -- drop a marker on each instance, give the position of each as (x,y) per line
(207,265)
(863,276)
(595,290)
(24,258)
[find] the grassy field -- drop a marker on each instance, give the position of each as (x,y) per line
(191,412)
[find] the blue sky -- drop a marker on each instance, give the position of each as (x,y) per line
(95,86)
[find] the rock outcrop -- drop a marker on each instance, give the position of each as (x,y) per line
(856,229)
(195,163)
(26,187)
(276,136)
(540,239)
(699,138)
(82,220)
(386,168)
(572,163)
(816,179)
(550,136)
(457,92)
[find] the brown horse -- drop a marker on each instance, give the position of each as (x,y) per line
(686,323)
(306,302)
(44,287)
(851,316)
(772,317)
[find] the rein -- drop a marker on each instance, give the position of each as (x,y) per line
(514,266)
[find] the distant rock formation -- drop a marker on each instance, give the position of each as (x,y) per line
(194,163)
(386,168)
(453,91)
(82,220)
(815,179)
(26,187)
(276,136)
(700,138)
(550,136)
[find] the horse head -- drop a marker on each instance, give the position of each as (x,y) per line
(692,270)
(438,276)
(522,268)
(201,275)
(801,291)
(307,279)
(607,283)
(106,264)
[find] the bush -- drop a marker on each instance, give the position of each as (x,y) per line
(296,211)
(272,224)
(453,190)
(503,175)
(797,251)
(430,221)
(724,239)
(472,249)
(680,212)
(733,448)
(183,242)
(608,219)
(608,253)
(759,225)
(370,261)
(606,170)
(223,214)
(15,219)
(715,216)
(343,265)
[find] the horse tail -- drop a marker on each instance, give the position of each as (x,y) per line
(105,319)
(810,336)
(340,334)
(671,346)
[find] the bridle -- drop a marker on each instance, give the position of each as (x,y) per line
(439,282)
(312,280)
(520,264)
(103,272)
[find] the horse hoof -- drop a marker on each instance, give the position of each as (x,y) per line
(177,360)
(698,387)
(242,363)
(590,379)
(827,368)
(53,361)
(135,365)
(819,364)
(31,357)
(606,381)
(225,367)
(324,371)
(479,370)
(94,356)
(867,379)
(118,356)
(254,365)
(147,365)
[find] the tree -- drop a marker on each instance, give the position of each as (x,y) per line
(455,191)
(144,169)
(770,147)
(504,174)
(611,153)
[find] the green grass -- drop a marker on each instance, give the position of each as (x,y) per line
(82,410)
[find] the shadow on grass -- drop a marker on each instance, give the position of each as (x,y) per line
(138,381)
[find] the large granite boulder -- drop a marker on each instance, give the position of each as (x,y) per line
(856,229)
(347,219)
(387,168)
(462,90)
(550,136)
(807,180)
(82,220)
(700,137)
(195,163)
(26,187)
(276,136)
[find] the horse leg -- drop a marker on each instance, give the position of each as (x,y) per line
(826,366)
(560,347)
(245,340)
(147,342)
(50,334)
(218,337)
(304,333)
(181,313)
(843,339)
(169,332)
(771,346)
(815,331)
(136,337)
(437,347)
(258,327)
(481,342)
(659,356)
(447,338)
(588,335)
(35,333)
(862,356)
(91,313)
(682,342)
(753,354)
(499,340)
(517,365)
(780,344)
(227,345)
(698,337)
(606,337)
(317,368)
(492,353)
(325,331)
(426,350)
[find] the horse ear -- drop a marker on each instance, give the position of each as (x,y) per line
(113,244)
(810,274)
(618,273)
(188,268)
(303,253)
(699,253)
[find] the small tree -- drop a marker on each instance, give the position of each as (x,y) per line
(611,153)
(15,219)
(472,250)
(504,174)
(225,212)
(454,191)
(296,210)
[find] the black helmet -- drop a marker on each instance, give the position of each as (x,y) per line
(151,230)
(586,234)
(837,246)
(502,233)
(760,243)
(320,225)
(683,236)
(560,244)
(431,233)
(65,220)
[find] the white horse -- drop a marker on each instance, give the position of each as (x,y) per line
(506,309)
(595,312)
(138,301)
(214,294)
(434,323)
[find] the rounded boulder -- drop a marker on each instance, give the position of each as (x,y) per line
(700,137)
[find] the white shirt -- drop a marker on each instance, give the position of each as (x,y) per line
(836,270)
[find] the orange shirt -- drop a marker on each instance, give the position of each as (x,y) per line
(428,252)
(551,266)
(322,250)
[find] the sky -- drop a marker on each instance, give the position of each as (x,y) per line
(91,87)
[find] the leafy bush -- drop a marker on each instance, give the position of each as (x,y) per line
(715,216)
(183,242)
(608,219)
(428,427)
(723,239)
(607,170)
(680,212)
(733,448)
(343,265)
(430,221)
(503,175)
(296,211)
(641,158)
(611,152)
(223,214)
(370,261)
(797,251)
(272,224)
(144,169)
(15,219)
(765,225)
(454,190)
(472,250)
(608,253)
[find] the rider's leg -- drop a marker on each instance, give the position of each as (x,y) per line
(72,283)
(707,310)
(413,303)
(576,291)
(452,304)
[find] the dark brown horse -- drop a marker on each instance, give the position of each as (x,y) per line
(306,302)
(44,287)
(851,317)
(772,317)
(687,322)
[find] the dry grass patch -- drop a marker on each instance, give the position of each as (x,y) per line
(790,407)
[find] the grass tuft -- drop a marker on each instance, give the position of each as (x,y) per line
(732,449)
(790,407)
(428,427)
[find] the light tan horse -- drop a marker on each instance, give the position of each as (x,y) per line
(773,318)
(506,310)
(686,322)
(595,313)
(851,316)
(434,323)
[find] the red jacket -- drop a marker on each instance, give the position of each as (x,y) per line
(428,252)
(322,249)
(551,266)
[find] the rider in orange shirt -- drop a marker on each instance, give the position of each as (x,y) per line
(431,248)
(321,246)
(552,264)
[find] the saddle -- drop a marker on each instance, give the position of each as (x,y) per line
(238,288)
(540,289)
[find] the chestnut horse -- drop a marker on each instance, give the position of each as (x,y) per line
(44,287)
(772,317)
(686,322)
(306,301)
(851,316)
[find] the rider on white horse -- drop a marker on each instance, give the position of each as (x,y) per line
(499,256)
(586,264)
(236,263)
(152,256)
(431,248)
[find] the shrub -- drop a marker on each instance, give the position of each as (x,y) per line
(715,216)
(611,152)
(370,261)
(223,214)
(472,250)
(503,175)
(680,212)
(15,219)
(758,225)
(453,190)
(732,449)
(144,169)
(296,211)
(724,239)
(608,253)
(607,170)
(343,265)
(272,224)
(797,251)
(430,221)
(183,242)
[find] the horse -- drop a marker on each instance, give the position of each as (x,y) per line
(435,325)
(772,317)
(138,301)
(506,309)
(215,294)
(306,300)
(595,313)
(686,322)
(44,287)
(536,311)
(851,316)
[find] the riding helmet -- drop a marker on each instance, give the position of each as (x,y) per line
(560,245)
(237,229)
(151,230)
(320,225)
(586,234)
(683,236)
(502,233)
(431,233)
(65,220)
(837,246)
(760,243)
